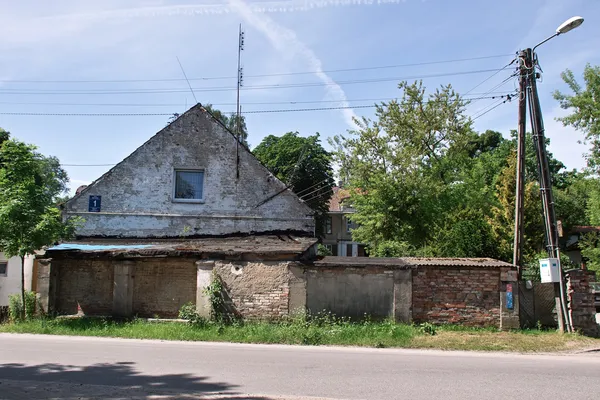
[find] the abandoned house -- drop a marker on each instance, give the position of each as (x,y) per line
(192,204)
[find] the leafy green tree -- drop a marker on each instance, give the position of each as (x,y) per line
(29,186)
(584,104)
(304,165)
(230,122)
(408,163)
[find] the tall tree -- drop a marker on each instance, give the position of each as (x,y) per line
(29,219)
(584,104)
(303,164)
(407,164)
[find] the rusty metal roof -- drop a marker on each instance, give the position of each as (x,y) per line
(255,247)
(410,262)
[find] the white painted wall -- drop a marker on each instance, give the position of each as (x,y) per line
(137,194)
(11,283)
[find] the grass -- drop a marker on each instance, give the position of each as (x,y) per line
(317,332)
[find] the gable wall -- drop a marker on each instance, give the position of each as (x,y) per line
(137,193)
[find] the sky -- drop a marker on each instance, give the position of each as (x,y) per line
(121,57)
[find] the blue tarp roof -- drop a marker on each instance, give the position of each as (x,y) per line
(92,247)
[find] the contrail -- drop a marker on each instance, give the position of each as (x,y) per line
(286,41)
(284,6)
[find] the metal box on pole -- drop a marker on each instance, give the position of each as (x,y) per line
(550,270)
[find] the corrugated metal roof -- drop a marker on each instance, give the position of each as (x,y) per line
(408,262)
(268,245)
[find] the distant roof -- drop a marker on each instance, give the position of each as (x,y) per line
(409,262)
(248,247)
(585,229)
(339,195)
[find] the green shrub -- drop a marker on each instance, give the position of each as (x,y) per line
(188,311)
(15,306)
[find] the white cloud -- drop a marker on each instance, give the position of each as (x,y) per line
(287,43)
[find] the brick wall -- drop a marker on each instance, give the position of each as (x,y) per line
(87,283)
(456,295)
(581,301)
(162,286)
(256,290)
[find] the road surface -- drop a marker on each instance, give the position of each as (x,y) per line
(44,367)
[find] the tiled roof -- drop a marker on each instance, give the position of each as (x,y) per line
(409,262)
(339,195)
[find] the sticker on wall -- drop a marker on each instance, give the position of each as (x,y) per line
(95,204)
(509,296)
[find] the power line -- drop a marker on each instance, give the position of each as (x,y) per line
(485,112)
(170,114)
(222,89)
(220,104)
(259,75)
(491,76)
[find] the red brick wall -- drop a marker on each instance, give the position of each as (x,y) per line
(580,298)
(456,295)
(83,282)
(162,286)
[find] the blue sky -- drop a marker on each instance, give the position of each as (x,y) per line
(70,41)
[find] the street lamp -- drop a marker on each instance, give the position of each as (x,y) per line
(528,91)
(565,27)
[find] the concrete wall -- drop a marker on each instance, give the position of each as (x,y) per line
(351,292)
(11,283)
(137,194)
(457,295)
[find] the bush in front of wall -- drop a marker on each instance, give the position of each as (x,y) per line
(15,306)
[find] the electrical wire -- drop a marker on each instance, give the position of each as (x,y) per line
(216,104)
(23,113)
(491,76)
(491,109)
(222,88)
(259,75)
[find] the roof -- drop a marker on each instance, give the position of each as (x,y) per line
(410,262)
(339,195)
(281,247)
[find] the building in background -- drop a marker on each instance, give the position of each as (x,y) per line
(10,277)
(338,227)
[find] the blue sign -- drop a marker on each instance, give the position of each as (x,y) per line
(95,204)
(509,296)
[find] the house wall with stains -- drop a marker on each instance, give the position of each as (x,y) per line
(136,197)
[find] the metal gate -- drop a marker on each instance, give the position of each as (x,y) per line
(536,305)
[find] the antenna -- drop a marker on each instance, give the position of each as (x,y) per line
(240,77)
(187,80)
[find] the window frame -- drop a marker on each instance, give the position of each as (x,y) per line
(174,191)
(348,225)
(329,225)
(5,263)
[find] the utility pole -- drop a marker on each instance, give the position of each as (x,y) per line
(539,143)
(519,195)
(240,77)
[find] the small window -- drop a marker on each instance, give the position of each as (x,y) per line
(328,224)
(329,248)
(348,225)
(349,250)
(3,268)
(189,185)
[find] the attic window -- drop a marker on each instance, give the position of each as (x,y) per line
(189,185)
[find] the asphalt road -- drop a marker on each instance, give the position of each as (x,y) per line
(44,367)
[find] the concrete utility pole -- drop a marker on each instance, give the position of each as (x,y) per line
(519,196)
(529,94)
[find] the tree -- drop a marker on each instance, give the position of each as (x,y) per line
(230,122)
(584,104)
(304,165)
(29,219)
(408,165)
